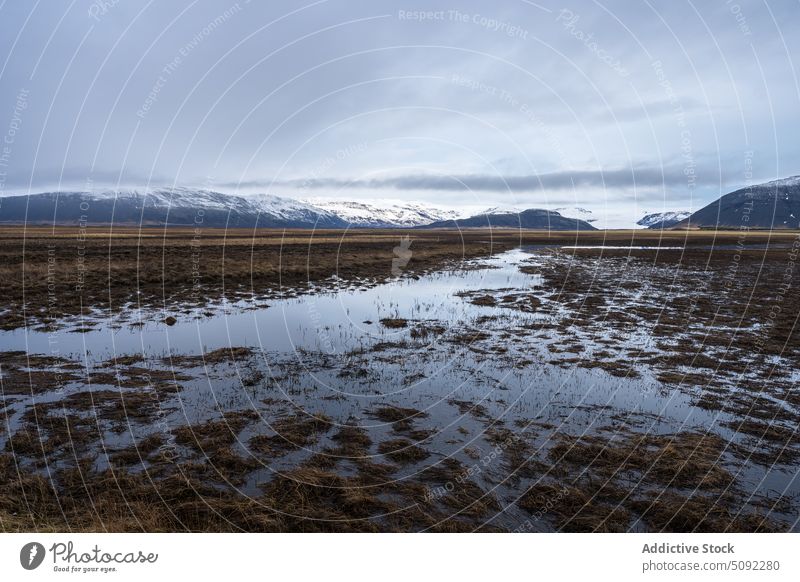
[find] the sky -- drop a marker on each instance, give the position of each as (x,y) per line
(623,108)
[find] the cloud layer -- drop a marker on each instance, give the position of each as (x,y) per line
(635,106)
(563,180)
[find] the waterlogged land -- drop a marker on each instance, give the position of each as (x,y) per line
(467,381)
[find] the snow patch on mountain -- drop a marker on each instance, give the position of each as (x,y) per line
(663,219)
(790,181)
(178,197)
(576,212)
(383,213)
(502,210)
(287,208)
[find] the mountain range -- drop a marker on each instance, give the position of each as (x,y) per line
(773,204)
(178,206)
(188,207)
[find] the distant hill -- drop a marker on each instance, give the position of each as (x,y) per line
(772,205)
(534,218)
(662,220)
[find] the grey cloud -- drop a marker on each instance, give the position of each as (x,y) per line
(618,178)
(260,95)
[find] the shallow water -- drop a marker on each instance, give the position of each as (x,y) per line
(333,322)
(627,247)
(329,353)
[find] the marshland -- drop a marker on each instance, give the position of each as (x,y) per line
(167,379)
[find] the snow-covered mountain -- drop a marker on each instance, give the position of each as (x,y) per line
(790,182)
(659,220)
(178,206)
(576,212)
(277,207)
(291,209)
(383,213)
(186,206)
(506,209)
(770,205)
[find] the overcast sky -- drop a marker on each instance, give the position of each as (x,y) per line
(620,107)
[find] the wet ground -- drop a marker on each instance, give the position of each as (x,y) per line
(575,388)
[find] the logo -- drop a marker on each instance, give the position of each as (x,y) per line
(31,555)
(402,254)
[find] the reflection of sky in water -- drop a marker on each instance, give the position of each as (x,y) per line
(328,321)
(311,342)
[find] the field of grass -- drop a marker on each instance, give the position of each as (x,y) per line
(46,272)
(618,389)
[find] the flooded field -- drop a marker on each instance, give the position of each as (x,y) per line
(539,386)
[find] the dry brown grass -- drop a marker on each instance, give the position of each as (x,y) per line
(155,266)
(291,432)
(578,509)
(673,482)
(394,322)
(684,460)
(159,267)
(402,451)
